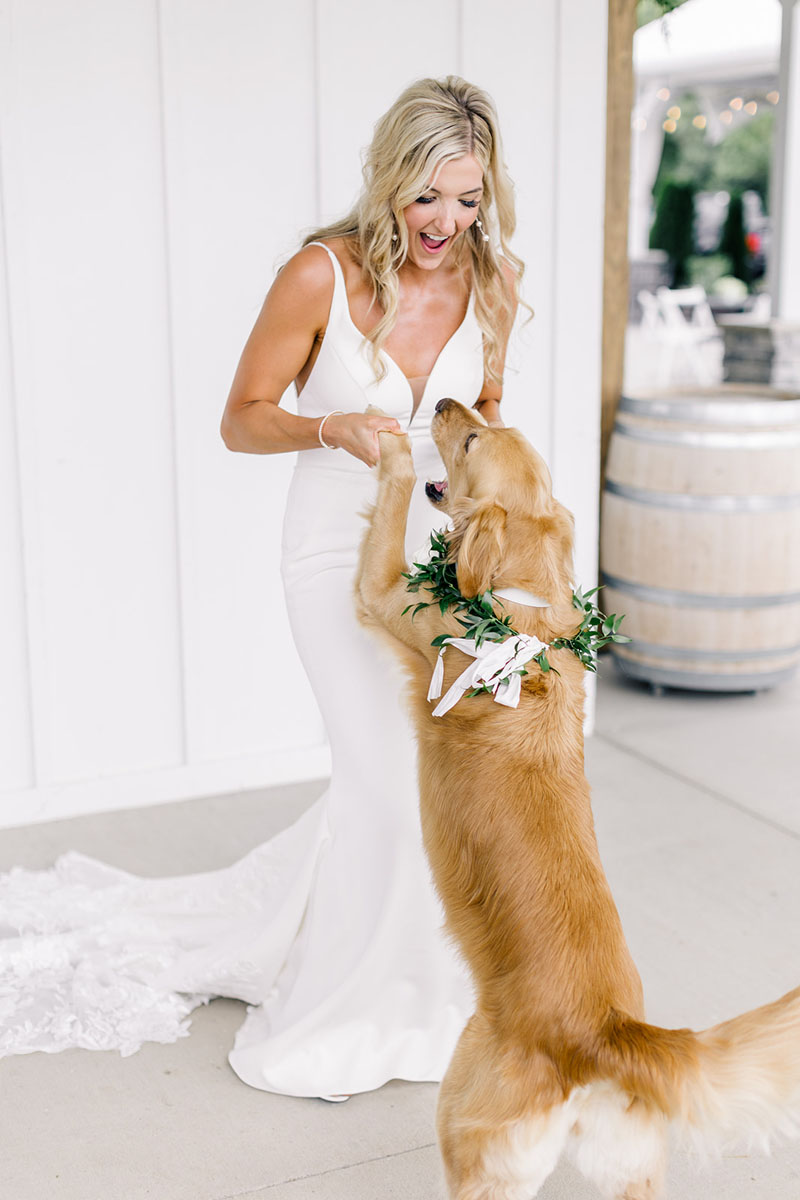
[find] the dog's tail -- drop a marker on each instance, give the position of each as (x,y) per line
(736,1081)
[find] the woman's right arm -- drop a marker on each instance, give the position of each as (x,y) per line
(293,316)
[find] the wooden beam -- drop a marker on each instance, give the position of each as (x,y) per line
(619,105)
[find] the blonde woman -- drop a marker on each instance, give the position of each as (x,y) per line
(408,299)
(330,931)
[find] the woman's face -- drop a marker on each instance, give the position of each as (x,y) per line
(447,207)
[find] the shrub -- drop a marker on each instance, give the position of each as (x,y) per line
(673,228)
(732,242)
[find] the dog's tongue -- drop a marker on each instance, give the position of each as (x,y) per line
(439,485)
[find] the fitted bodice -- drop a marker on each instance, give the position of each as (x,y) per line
(343,378)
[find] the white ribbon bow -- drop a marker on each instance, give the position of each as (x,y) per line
(494,661)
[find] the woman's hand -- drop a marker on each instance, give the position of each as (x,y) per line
(357,433)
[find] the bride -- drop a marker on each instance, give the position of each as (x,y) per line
(331,931)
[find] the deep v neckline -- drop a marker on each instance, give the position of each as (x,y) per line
(392,362)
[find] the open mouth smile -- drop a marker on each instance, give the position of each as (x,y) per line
(433,244)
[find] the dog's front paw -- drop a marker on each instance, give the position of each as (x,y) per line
(396,460)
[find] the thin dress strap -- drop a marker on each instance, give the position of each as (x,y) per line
(339,290)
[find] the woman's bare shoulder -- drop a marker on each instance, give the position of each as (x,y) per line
(302,291)
(308,270)
(311,270)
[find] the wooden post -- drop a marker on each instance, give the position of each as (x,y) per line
(619,105)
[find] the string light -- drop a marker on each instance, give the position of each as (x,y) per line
(639,124)
(736,104)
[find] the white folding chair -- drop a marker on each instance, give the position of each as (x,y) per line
(696,336)
(646,349)
(652,320)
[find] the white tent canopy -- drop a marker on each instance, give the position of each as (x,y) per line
(709,46)
(705,41)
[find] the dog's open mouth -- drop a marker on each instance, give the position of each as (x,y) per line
(436,490)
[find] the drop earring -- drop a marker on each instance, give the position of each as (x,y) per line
(479,223)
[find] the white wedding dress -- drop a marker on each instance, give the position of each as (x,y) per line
(331,931)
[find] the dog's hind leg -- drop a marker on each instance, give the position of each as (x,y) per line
(507,1163)
(500,1135)
(619,1144)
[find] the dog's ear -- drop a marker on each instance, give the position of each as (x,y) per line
(553,541)
(478,544)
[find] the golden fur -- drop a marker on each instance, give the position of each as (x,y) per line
(557,1055)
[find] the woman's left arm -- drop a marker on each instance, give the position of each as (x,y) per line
(488,403)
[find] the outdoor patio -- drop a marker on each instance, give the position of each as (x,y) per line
(696,801)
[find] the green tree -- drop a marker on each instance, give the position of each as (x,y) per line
(673,228)
(687,156)
(742,160)
(732,240)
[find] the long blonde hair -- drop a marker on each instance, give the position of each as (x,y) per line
(433,122)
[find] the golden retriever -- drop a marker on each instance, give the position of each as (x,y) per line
(557,1055)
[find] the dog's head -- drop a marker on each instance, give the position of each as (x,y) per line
(509,531)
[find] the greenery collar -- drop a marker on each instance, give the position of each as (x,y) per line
(481,623)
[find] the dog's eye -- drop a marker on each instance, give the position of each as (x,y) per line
(467,442)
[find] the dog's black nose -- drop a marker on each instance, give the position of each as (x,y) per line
(441,403)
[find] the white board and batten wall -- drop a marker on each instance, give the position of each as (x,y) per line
(158,158)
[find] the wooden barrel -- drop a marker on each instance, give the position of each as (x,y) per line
(700,536)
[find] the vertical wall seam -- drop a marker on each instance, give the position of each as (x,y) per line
(33,765)
(173,405)
(554,234)
(316,133)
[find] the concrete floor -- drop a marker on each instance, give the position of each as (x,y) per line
(696,802)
